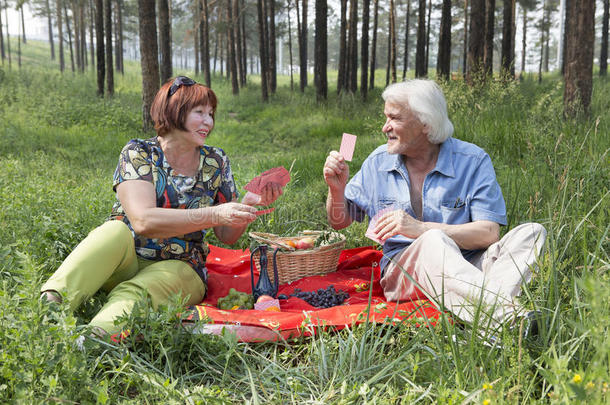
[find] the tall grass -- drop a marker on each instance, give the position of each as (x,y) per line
(59,146)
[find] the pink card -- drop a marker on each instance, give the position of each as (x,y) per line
(370,231)
(348,144)
(263,212)
(277,175)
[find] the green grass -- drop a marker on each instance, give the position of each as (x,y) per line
(59,145)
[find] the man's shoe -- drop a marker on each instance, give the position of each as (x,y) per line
(531,325)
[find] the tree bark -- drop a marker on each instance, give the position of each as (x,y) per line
(205,45)
(393,41)
(2,51)
(465,51)
(603,52)
(508,40)
(303,46)
(321,53)
(476,42)
(443,65)
(60,35)
(50,27)
(579,57)
(352,48)
(99,37)
(272,48)
(237,16)
(364,50)
(119,45)
(77,41)
(290,48)
(374,46)
(262,45)
(523,40)
(8,38)
(149,58)
(69,31)
(109,64)
(406,54)
(92,22)
(342,73)
(428,37)
(420,55)
(488,53)
(232,55)
(165,46)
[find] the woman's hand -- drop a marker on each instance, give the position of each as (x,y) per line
(234,214)
(336,171)
(271,192)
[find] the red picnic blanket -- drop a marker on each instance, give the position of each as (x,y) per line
(229,268)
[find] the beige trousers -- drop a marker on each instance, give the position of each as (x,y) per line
(489,282)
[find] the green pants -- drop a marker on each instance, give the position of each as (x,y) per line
(107,259)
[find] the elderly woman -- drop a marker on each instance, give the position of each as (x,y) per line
(169,189)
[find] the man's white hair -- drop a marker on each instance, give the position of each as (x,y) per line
(425,98)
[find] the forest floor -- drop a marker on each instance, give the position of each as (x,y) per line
(59,144)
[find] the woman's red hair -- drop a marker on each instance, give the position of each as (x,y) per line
(169,112)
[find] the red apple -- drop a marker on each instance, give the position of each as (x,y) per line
(305,243)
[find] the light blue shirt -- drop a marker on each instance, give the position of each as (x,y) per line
(461,188)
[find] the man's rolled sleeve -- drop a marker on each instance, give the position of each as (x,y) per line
(487,202)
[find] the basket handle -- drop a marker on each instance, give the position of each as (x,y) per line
(269,238)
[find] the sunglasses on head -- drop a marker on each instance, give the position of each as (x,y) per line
(180,81)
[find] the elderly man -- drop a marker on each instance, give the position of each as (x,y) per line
(436,206)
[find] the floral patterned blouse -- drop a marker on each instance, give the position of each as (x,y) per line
(213,184)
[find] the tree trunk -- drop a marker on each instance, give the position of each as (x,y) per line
(2,51)
(321,51)
(523,40)
(490,22)
(262,45)
(579,57)
(77,41)
(342,73)
(50,27)
(352,48)
(428,37)
(290,48)
(420,56)
(92,22)
(393,41)
(465,51)
(389,56)
(238,43)
(60,35)
(272,47)
(8,38)
(547,34)
(406,54)
(119,44)
(303,46)
(69,35)
(108,32)
(83,36)
(364,49)
(205,45)
(149,58)
(374,46)
(476,42)
(508,40)
(231,54)
(165,46)
(22,24)
(244,43)
(19,50)
(443,65)
(603,52)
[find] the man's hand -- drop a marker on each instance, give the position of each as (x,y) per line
(271,192)
(336,171)
(234,214)
(398,223)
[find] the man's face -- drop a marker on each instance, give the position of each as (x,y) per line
(406,134)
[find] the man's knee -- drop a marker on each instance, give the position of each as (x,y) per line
(531,231)
(433,235)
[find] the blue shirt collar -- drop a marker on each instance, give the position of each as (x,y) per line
(444,163)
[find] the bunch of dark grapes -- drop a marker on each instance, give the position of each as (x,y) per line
(322,298)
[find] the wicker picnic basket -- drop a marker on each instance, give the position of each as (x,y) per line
(294,264)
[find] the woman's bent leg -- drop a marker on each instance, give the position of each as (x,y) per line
(159,281)
(108,251)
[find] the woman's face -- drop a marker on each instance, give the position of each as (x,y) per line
(199,124)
